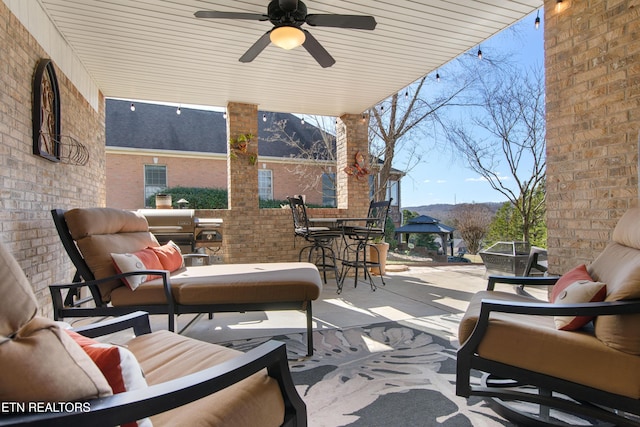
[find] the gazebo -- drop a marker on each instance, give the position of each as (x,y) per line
(426,224)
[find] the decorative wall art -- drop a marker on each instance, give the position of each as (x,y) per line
(46,112)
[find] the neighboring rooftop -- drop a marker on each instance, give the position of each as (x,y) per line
(155,126)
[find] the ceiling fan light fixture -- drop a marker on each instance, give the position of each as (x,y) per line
(287,37)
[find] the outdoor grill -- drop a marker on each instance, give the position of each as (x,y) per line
(192,234)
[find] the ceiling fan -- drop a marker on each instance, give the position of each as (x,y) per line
(287,16)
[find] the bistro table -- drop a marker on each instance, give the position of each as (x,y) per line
(338,224)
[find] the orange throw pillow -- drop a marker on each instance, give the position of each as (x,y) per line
(170,256)
(117,364)
(570,277)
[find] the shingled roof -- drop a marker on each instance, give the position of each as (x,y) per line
(158,127)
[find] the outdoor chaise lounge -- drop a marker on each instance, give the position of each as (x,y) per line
(52,376)
(96,237)
(580,352)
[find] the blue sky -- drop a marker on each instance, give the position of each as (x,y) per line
(441,179)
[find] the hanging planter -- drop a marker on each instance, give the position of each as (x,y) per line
(241,145)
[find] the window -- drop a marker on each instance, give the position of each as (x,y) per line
(155,180)
(329,189)
(392,192)
(265,184)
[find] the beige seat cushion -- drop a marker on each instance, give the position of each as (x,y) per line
(38,361)
(533,343)
(99,232)
(255,401)
(228,284)
(619,267)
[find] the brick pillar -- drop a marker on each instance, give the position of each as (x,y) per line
(242,184)
(592,52)
(352,137)
(242,176)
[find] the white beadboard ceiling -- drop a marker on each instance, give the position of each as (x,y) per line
(157,50)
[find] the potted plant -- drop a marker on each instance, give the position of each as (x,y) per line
(378,255)
(240,146)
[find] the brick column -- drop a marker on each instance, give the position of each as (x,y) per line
(592,52)
(242,183)
(242,176)
(352,137)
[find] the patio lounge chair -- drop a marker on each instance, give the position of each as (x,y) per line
(551,354)
(53,377)
(93,237)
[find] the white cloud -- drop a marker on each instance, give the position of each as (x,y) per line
(441,181)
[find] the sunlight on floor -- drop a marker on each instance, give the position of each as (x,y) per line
(375,346)
(390,313)
(339,302)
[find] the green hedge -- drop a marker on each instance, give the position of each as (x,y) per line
(210,198)
(199,198)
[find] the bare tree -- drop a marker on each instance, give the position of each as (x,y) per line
(317,152)
(400,123)
(472,221)
(508,133)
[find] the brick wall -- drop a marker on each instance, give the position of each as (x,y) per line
(31,186)
(125,176)
(593,118)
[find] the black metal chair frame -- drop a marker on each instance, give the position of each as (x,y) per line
(138,404)
(321,239)
(72,305)
(583,400)
(358,241)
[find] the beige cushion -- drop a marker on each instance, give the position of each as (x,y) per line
(99,232)
(38,361)
(619,267)
(17,302)
(533,343)
(83,222)
(230,283)
(42,363)
(255,401)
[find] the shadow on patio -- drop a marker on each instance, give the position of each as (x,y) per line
(428,298)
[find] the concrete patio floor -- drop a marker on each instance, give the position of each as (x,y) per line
(430,298)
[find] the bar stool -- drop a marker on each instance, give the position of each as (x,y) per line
(321,239)
(358,243)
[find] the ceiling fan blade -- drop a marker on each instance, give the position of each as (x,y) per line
(358,22)
(316,50)
(257,47)
(230,15)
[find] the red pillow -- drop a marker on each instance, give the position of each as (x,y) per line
(578,292)
(571,276)
(169,255)
(117,364)
(145,259)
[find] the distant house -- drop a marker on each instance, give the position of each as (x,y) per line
(153,148)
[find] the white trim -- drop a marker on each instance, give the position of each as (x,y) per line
(131,151)
(36,20)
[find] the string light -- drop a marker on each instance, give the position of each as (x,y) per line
(479,53)
(302,121)
(178,112)
(438,77)
(264,117)
(406,95)
(133,107)
(224,115)
(364,117)
(537,24)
